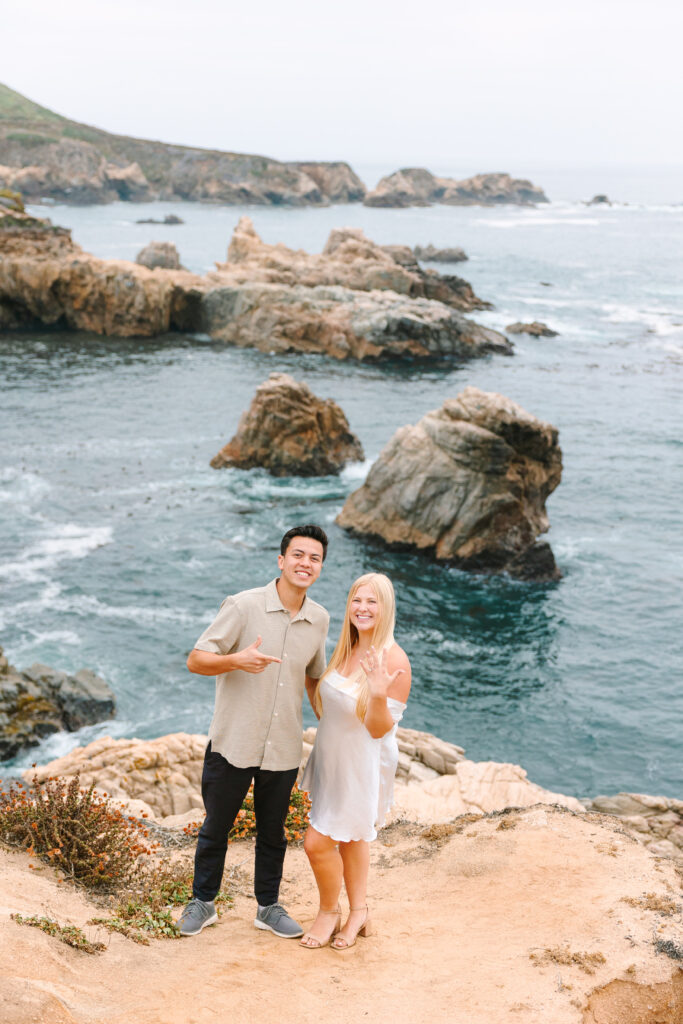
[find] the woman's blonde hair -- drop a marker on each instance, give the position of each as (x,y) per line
(382,637)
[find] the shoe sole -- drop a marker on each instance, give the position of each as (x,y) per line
(205,924)
(268,928)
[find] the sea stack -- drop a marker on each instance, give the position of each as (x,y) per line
(291,432)
(467,484)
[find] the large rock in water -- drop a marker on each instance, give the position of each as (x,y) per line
(416,186)
(349,259)
(291,432)
(468,483)
(41,700)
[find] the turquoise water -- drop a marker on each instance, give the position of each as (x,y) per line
(117,540)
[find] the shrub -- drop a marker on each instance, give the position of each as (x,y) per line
(245,823)
(68,933)
(146,911)
(81,833)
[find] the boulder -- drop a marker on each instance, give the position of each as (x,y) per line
(349,259)
(159,254)
(599,200)
(40,700)
(416,186)
(536,328)
(291,432)
(431,254)
(654,820)
(467,484)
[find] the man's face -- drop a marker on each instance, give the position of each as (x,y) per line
(302,561)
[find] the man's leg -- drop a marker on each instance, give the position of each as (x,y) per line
(272,792)
(224,787)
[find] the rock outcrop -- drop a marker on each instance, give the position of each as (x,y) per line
(45,155)
(40,700)
(416,186)
(169,219)
(349,260)
(291,432)
(432,254)
(159,254)
(599,200)
(46,279)
(536,328)
(468,484)
(656,821)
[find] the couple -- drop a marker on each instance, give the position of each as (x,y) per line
(264,646)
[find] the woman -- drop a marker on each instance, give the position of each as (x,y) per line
(359,699)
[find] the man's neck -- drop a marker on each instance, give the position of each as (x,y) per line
(291,597)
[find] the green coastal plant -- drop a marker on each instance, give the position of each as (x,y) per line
(82,834)
(67,933)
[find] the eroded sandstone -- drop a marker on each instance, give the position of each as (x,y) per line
(291,432)
(468,484)
(416,186)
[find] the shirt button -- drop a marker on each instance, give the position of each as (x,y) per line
(286,655)
(282,684)
(275,714)
(268,742)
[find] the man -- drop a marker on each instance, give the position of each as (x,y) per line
(264,646)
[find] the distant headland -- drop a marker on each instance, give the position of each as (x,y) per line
(46,156)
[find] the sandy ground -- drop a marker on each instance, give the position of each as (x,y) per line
(457,921)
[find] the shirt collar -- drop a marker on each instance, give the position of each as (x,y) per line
(274,604)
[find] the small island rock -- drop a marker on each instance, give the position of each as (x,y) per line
(170,218)
(416,186)
(40,700)
(159,254)
(431,254)
(536,328)
(599,200)
(468,483)
(291,432)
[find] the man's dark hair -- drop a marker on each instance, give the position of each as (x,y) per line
(310,530)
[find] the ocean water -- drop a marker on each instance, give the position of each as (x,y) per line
(118,541)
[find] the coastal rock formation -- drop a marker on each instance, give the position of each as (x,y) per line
(45,155)
(599,200)
(291,432)
(45,278)
(536,328)
(468,483)
(350,260)
(170,218)
(656,821)
(159,254)
(416,186)
(431,254)
(342,323)
(40,700)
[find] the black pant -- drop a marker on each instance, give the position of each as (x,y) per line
(224,787)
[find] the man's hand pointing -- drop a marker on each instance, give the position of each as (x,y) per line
(252,660)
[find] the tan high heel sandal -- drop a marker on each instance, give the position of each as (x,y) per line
(339,942)
(314,942)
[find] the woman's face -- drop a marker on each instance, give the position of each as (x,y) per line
(364,611)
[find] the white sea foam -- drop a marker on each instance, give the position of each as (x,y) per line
(69,541)
(659,321)
(21,488)
(87,605)
(532,222)
(356,471)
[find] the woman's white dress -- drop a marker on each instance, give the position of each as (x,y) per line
(350,775)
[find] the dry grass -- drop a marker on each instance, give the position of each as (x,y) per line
(651,901)
(586,962)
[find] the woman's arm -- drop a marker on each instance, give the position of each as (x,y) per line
(388,676)
(311,686)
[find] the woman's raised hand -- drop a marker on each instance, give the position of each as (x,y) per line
(375,668)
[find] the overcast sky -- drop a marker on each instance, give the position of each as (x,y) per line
(488,84)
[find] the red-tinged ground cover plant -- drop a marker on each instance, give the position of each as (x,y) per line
(81,833)
(245,823)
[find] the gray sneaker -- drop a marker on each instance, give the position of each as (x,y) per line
(197,915)
(276,919)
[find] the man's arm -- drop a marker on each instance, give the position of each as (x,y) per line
(311,685)
(204,663)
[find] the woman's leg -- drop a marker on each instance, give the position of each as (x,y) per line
(326,862)
(356,861)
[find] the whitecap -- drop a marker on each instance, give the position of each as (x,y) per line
(656,319)
(69,541)
(88,605)
(21,487)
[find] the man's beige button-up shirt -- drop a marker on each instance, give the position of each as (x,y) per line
(257,721)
